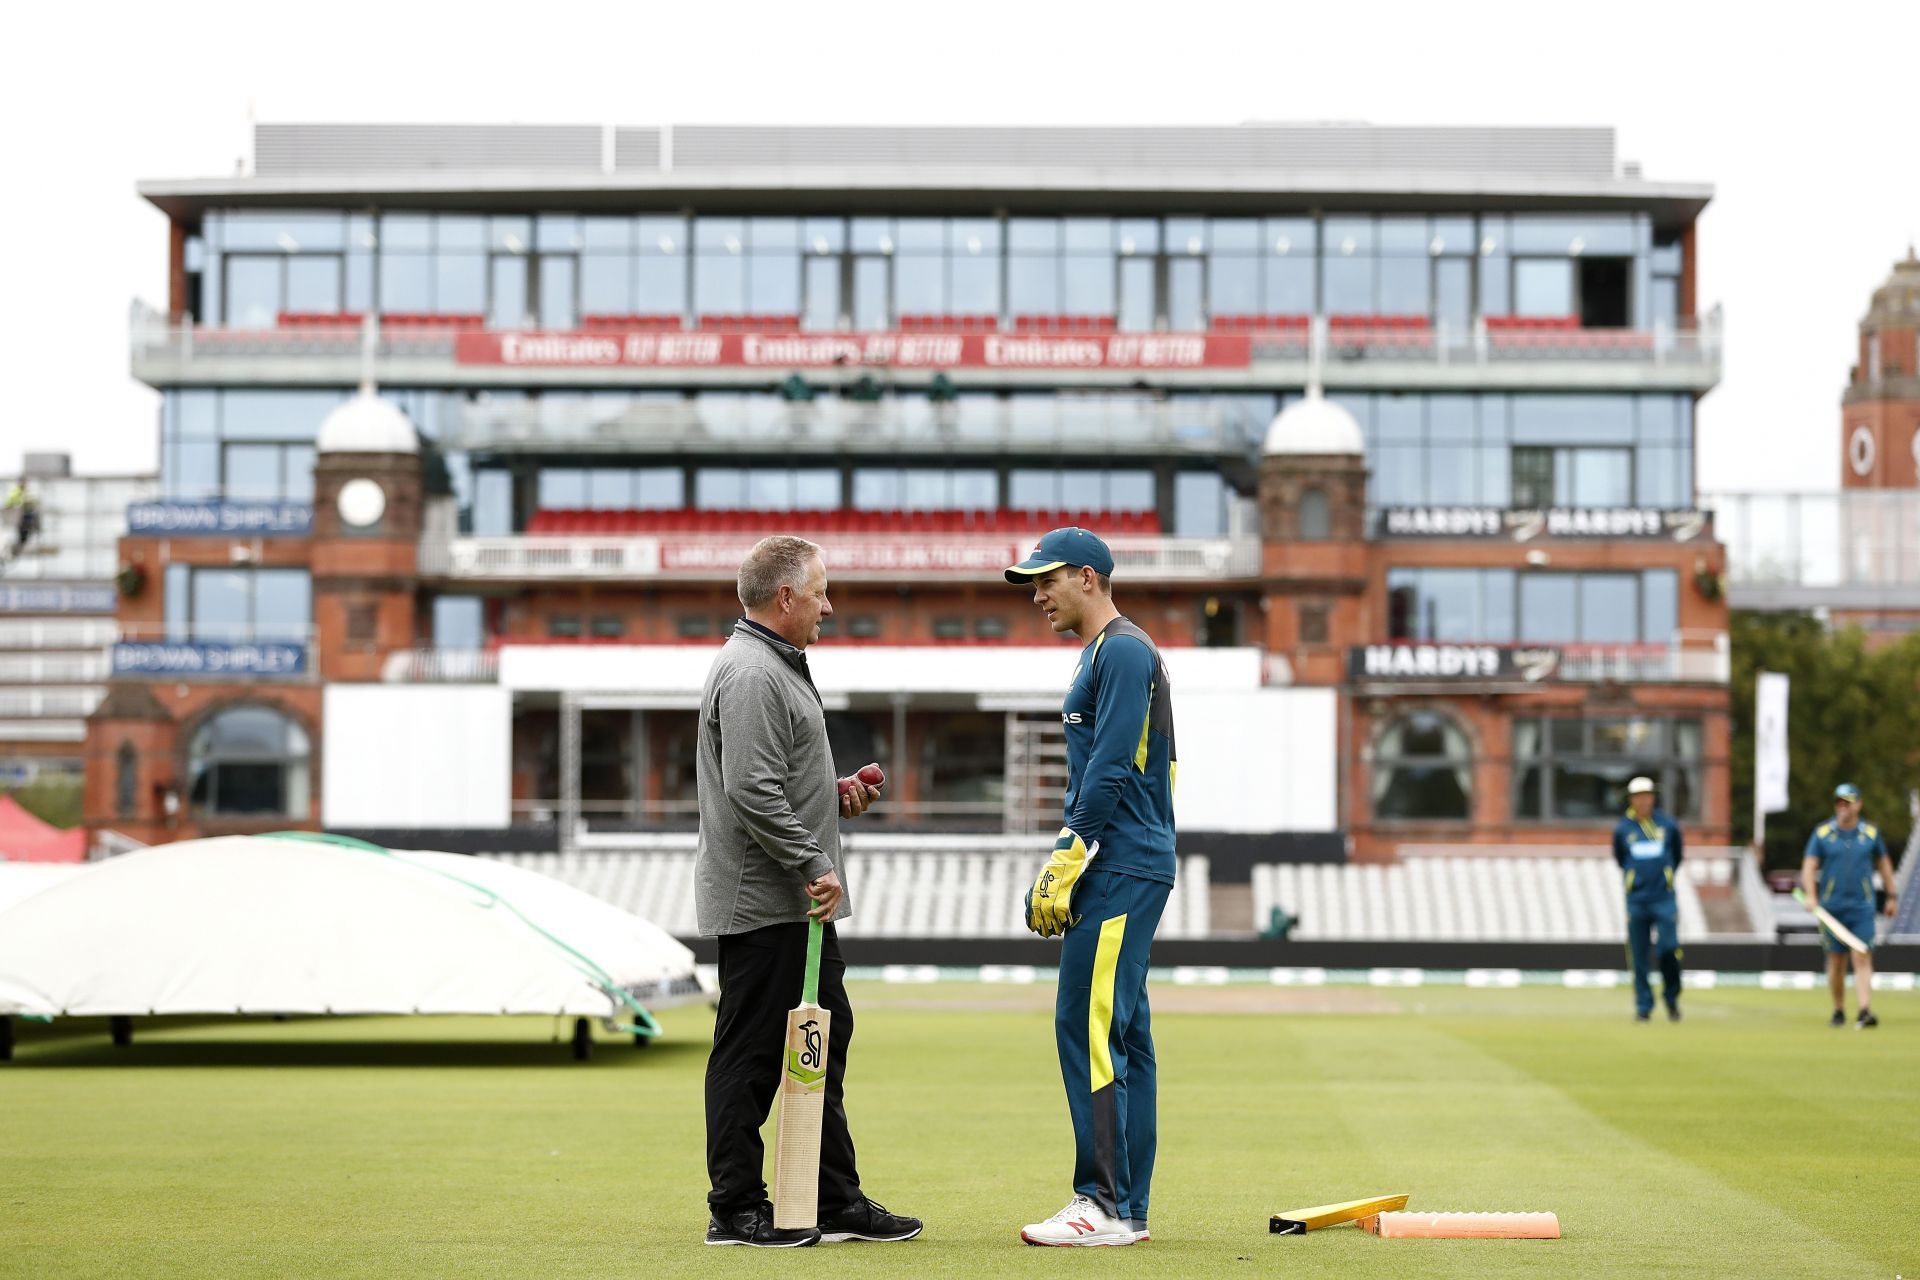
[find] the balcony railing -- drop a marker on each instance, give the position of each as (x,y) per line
(57,633)
(441,666)
(1093,425)
(1859,547)
(1703,657)
(1356,353)
(709,557)
(52,668)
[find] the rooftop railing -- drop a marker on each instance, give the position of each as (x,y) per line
(1859,546)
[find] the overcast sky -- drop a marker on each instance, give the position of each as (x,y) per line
(1806,127)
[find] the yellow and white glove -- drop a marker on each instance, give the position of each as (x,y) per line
(1049,902)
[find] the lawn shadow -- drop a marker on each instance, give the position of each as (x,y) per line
(253,1042)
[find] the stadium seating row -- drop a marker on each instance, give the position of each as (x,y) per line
(1387,322)
(1261,323)
(948,323)
(1002,521)
(650,323)
(1063,324)
(919,894)
(766,322)
(1458,899)
(1530,324)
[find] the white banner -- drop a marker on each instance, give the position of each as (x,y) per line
(1770,743)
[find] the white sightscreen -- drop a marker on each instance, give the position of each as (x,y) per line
(1259,760)
(417,756)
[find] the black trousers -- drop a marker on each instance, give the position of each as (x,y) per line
(761,973)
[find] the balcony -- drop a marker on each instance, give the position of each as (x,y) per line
(717,557)
(441,666)
(1356,353)
(831,426)
(1855,549)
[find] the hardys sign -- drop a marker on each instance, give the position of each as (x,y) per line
(929,351)
(265,660)
(1450,662)
(217,519)
(1524,525)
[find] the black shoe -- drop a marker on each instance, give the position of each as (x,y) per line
(1673,1013)
(867,1221)
(1839,1018)
(754,1226)
(1642,1015)
(1866,1019)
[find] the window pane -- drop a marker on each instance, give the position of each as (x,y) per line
(872,235)
(253,471)
(878,490)
(659,488)
(773,283)
(1543,287)
(1130,491)
(871,286)
(313,283)
(975,285)
(1609,608)
(1602,477)
(509,310)
(221,604)
(719,284)
(974,490)
(1349,286)
(1547,608)
(1033,490)
(821,309)
(919,285)
(606,284)
(816,489)
(460,283)
(559,276)
(406,282)
(253,291)
(609,489)
(1405,286)
(282,604)
(1287,288)
(661,287)
(1087,284)
(1661,601)
(1033,285)
(1233,284)
(720,488)
(562,489)
(458,622)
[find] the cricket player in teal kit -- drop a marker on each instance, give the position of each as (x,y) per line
(1837,872)
(1104,888)
(1647,845)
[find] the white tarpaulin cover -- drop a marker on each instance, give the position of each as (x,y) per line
(258,925)
(20,880)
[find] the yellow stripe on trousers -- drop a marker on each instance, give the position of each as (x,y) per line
(1106,962)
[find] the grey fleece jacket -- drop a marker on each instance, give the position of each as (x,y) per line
(769,803)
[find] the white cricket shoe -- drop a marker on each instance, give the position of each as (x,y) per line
(1082,1222)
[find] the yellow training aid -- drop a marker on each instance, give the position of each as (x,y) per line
(1293,1222)
(1049,902)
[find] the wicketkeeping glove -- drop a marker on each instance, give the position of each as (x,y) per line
(1049,902)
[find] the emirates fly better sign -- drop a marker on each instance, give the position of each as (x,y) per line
(930,351)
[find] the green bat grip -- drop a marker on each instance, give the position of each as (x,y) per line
(810,990)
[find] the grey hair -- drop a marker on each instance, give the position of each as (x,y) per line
(779,561)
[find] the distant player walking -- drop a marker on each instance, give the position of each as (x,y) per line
(1648,847)
(1104,888)
(1837,872)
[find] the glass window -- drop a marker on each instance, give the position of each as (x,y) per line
(313,283)
(920,284)
(974,283)
(562,489)
(823,235)
(606,284)
(1129,491)
(253,471)
(1609,608)
(1233,284)
(1543,287)
(872,235)
(508,278)
(1548,608)
(1349,237)
(773,282)
(1599,478)
(1087,284)
(253,291)
(1314,518)
(459,622)
(460,283)
(1660,605)
(659,488)
(1287,286)
(1033,284)
(1030,490)
(1422,769)
(249,761)
(406,281)
(406,231)
(1033,235)
(1349,284)
(493,502)
(872,287)
(1575,769)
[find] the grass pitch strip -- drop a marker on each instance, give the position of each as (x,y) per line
(1748,1140)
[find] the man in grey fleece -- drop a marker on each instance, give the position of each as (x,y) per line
(769,860)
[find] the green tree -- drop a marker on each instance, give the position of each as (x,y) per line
(1850,717)
(52,798)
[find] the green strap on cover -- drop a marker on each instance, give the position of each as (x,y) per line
(810,990)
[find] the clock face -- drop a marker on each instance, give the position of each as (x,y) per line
(1860,450)
(362,502)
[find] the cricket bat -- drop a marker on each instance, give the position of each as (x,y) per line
(803,1101)
(1833,926)
(1293,1222)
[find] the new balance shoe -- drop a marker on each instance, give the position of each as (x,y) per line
(1139,1228)
(1866,1019)
(754,1226)
(867,1221)
(1082,1222)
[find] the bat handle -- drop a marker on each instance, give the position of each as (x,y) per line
(810,989)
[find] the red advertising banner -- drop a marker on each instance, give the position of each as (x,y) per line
(1129,351)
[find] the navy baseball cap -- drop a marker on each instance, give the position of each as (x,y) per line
(1070,546)
(1846,791)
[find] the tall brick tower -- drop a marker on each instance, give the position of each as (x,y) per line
(367,513)
(1880,413)
(1313,536)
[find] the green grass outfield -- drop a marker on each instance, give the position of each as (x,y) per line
(1749,1140)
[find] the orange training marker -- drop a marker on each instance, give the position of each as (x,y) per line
(1463,1226)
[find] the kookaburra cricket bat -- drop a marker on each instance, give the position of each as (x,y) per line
(1834,927)
(803,1101)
